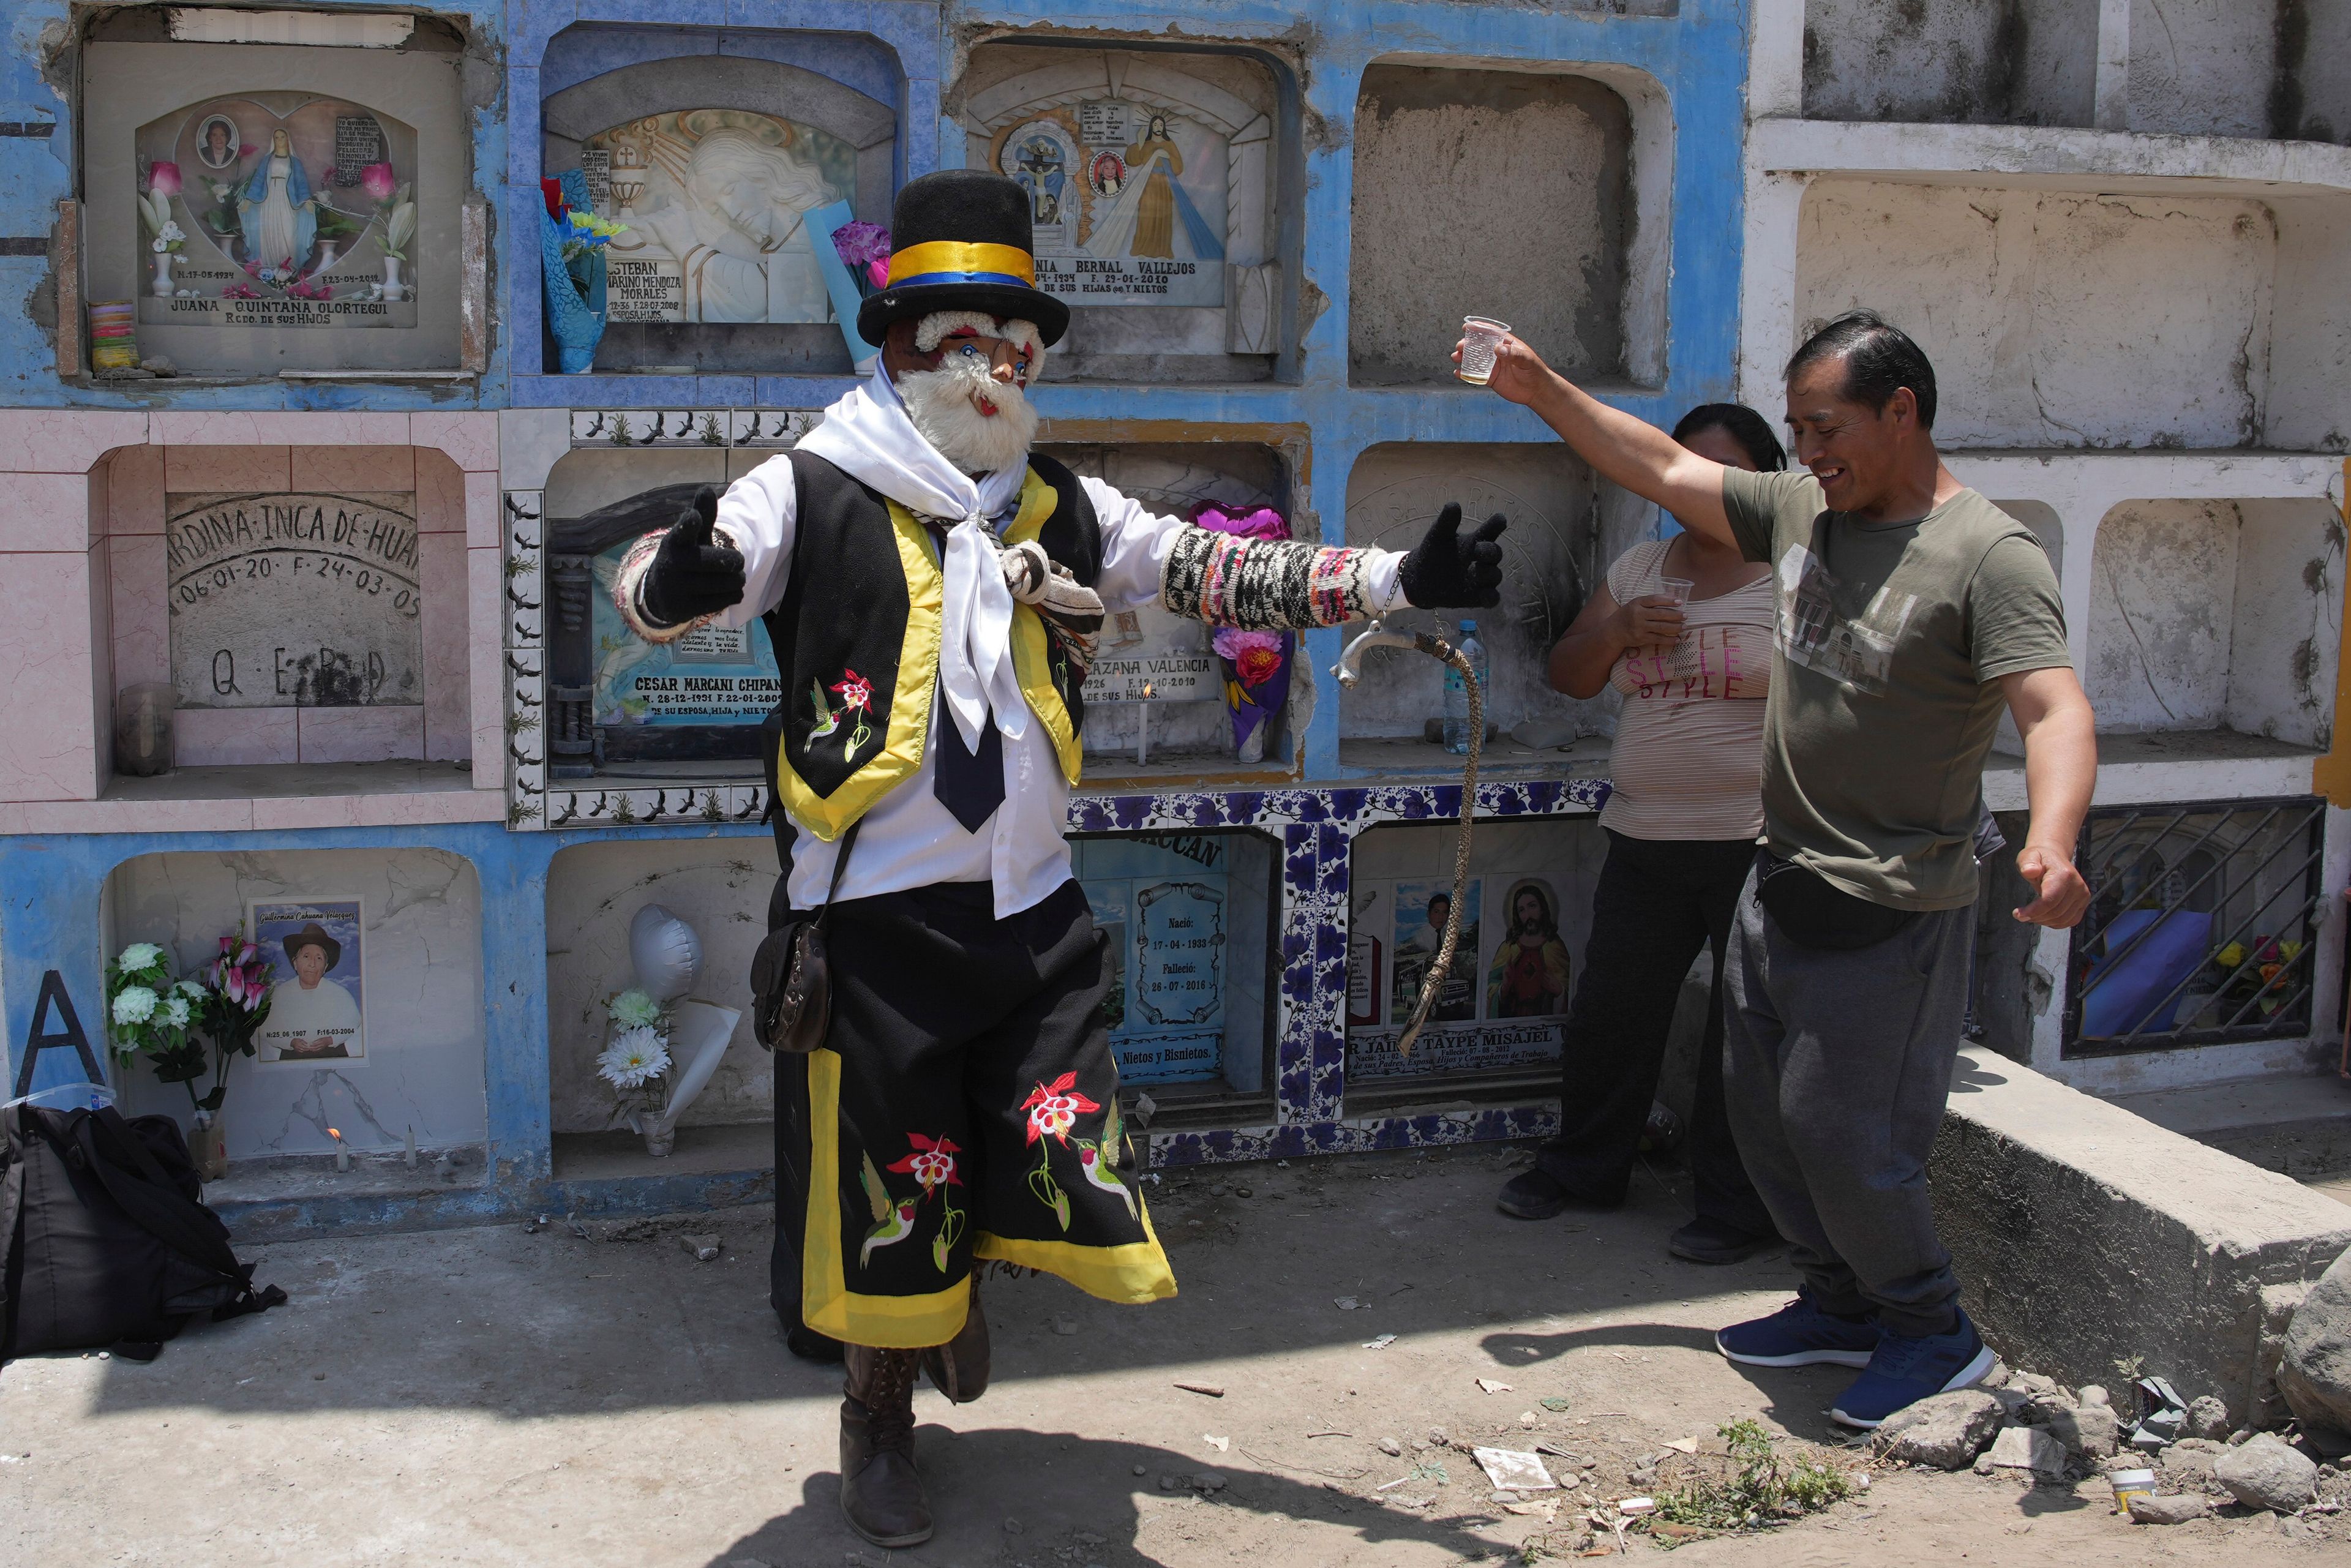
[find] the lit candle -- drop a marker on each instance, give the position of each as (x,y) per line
(1143,727)
(342,1150)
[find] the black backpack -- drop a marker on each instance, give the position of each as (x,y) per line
(109,1243)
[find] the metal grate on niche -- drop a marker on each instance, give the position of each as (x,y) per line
(2199,928)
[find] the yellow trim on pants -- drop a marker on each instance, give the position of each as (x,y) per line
(827,1303)
(1129,1275)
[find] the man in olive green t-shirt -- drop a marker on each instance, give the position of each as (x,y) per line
(1911,611)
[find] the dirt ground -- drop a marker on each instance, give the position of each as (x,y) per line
(493,1396)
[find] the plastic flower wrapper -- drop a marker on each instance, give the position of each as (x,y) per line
(1257,663)
(635,1057)
(634,1009)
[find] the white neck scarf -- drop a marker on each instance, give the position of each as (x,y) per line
(868,436)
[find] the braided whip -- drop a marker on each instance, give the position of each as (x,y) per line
(1433,982)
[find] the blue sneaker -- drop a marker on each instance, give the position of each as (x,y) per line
(1907,1369)
(1800,1334)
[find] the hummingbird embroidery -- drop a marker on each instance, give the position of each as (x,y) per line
(893,1218)
(1095,1160)
(827,719)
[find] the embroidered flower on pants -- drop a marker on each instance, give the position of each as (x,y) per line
(1054,1109)
(856,692)
(933,1164)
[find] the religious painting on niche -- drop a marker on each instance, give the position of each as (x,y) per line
(714,202)
(276,209)
(712,676)
(1128,201)
(1503,1004)
(1162,911)
(293,600)
(317,1008)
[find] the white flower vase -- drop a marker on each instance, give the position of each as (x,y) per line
(698,1036)
(327,256)
(393,288)
(164,284)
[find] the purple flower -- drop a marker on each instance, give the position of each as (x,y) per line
(1264,523)
(859,244)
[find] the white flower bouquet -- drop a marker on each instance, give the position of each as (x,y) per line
(636,1062)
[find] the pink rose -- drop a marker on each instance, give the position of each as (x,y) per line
(163,179)
(379,181)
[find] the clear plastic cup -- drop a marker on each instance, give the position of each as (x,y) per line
(1676,589)
(1479,338)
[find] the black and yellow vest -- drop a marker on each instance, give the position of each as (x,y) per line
(857,638)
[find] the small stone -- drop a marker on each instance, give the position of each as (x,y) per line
(2089,1429)
(2091,1394)
(2207,1417)
(1345,1304)
(1438,1439)
(2028,1448)
(1219,1190)
(1947,1431)
(159,365)
(2178,1509)
(1208,1480)
(1064,1326)
(2263,1473)
(1168,1483)
(318,1376)
(703,1246)
(1142,1469)
(1243,1192)
(1390,1446)
(1012,1527)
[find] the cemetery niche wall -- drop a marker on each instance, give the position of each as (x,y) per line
(730,176)
(292,208)
(1153,179)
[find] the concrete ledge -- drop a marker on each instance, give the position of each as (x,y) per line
(2083,1234)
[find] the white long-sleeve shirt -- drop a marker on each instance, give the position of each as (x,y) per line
(909,839)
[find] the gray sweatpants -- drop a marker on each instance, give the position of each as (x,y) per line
(1835,1066)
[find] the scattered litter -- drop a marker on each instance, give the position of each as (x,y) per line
(1146,1107)
(1490,1386)
(1552,1402)
(1281,1165)
(704,1247)
(1345,1304)
(1634,1507)
(2167,1417)
(1333,1432)
(1222,1445)
(1213,1390)
(1684,1444)
(1382,1343)
(578,1229)
(1547,1447)
(1528,1419)
(1517,1472)
(1670,1531)
(1546,1511)
(1397,1483)
(1400,1290)
(2128,1484)
(533,1227)
(13,1459)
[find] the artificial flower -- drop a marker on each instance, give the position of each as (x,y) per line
(133,1005)
(633,1009)
(174,1008)
(189,989)
(877,273)
(551,192)
(379,181)
(1256,655)
(138,958)
(164,178)
(860,244)
(634,1057)
(172,230)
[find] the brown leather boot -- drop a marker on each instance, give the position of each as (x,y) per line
(880,1494)
(958,1368)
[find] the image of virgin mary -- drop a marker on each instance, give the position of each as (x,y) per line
(1152,216)
(276,211)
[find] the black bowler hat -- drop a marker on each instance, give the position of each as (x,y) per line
(961,240)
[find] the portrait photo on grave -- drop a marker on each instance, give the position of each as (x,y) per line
(713,205)
(1422,909)
(276,209)
(318,1011)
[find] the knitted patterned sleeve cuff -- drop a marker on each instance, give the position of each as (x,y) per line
(628,591)
(1264,585)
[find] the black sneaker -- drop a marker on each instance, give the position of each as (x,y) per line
(1532,1195)
(1705,1240)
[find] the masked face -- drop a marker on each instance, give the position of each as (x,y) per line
(980,420)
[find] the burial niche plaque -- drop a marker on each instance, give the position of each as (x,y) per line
(293,600)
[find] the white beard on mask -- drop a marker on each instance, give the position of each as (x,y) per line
(942,405)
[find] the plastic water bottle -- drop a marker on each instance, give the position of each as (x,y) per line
(1457,694)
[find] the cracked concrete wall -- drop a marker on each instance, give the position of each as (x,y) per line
(2241,67)
(422,946)
(1496,193)
(2216,614)
(718,886)
(2034,307)
(1968,62)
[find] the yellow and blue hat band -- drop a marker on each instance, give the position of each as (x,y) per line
(958,261)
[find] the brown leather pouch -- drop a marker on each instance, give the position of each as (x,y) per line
(791,982)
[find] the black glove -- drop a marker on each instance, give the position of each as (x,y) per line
(692,575)
(1446,571)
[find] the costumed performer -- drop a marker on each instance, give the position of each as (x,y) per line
(933,590)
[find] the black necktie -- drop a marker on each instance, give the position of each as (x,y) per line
(968,783)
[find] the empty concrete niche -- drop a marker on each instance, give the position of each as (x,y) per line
(2212,627)
(1564,529)
(620,707)
(376,1027)
(2230,67)
(2032,306)
(729,158)
(1526,914)
(1189,923)
(1183,725)
(719,888)
(1155,180)
(1953,62)
(1536,198)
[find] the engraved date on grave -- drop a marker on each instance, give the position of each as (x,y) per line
(293,600)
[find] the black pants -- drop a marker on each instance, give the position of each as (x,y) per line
(1659,901)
